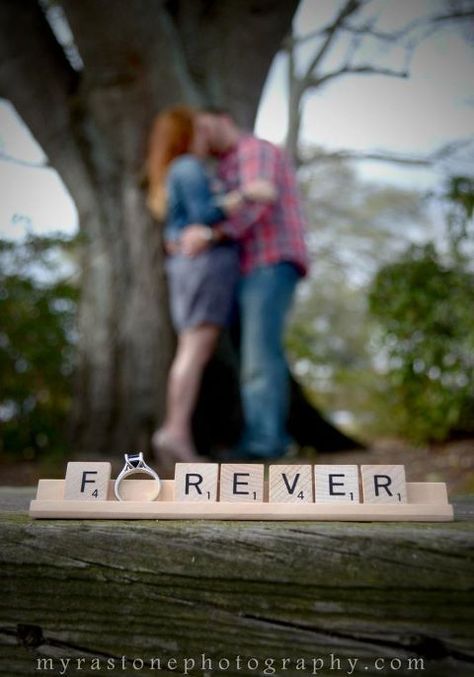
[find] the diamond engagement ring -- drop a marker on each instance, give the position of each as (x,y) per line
(135,464)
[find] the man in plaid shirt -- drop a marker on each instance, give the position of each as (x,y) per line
(273,258)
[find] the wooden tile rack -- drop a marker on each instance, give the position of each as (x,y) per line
(426,502)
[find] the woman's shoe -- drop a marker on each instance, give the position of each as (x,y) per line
(168,451)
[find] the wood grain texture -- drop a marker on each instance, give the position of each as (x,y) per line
(75,588)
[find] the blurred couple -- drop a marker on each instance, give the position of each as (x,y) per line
(233,237)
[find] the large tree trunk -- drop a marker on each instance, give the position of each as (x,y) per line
(93,126)
(150,55)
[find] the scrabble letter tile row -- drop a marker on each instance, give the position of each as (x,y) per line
(239,491)
(290,483)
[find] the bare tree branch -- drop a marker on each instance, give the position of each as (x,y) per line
(364,30)
(354,44)
(294,40)
(348,9)
(291,41)
(443,152)
(368,30)
(437,19)
(426,21)
(354,70)
(408,37)
(319,156)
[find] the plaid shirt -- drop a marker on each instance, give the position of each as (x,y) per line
(267,233)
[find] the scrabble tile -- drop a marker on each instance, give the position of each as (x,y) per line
(87,481)
(384,483)
(196,481)
(291,484)
(240,482)
(336,484)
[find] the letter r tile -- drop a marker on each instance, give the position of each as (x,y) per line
(196,481)
(384,483)
(241,482)
(87,481)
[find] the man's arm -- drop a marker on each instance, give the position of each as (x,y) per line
(197,237)
(257,164)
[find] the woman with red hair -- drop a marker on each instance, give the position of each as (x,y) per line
(201,288)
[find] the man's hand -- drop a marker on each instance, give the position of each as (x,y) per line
(232,202)
(260,190)
(195,239)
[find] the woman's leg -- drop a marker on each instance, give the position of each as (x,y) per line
(195,348)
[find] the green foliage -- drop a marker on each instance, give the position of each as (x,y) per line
(37,310)
(424,306)
(404,366)
(460,192)
(355,228)
(459,196)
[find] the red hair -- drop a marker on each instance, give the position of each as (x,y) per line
(171,135)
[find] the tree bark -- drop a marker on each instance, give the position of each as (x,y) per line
(93,126)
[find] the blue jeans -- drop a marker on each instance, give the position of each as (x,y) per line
(265,297)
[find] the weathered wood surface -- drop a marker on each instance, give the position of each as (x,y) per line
(147,589)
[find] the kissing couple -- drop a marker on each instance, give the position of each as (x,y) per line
(233,232)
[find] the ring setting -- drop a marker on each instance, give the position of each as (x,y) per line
(135,464)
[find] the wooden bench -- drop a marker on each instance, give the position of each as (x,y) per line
(170,589)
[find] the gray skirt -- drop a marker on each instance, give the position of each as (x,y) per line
(202,288)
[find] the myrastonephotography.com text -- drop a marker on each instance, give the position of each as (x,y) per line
(317,665)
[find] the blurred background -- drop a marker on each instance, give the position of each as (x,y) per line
(374,102)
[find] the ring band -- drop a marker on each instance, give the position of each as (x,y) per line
(134,463)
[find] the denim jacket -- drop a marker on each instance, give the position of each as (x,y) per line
(190,199)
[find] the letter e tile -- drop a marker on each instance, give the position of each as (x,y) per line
(240,482)
(336,483)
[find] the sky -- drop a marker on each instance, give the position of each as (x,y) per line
(367,112)
(434,106)
(31,197)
